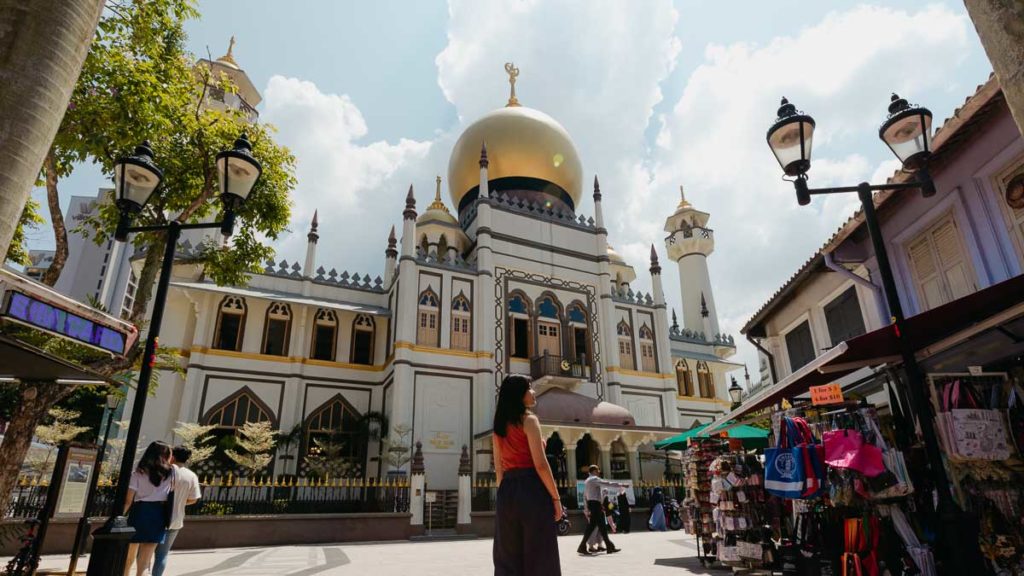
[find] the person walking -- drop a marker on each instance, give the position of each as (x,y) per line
(148,491)
(592,495)
(187,491)
(528,505)
(624,519)
(657,519)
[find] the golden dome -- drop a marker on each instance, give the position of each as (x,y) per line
(614,257)
(521,143)
(621,271)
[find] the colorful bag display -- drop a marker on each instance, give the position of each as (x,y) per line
(794,468)
(847,449)
(970,432)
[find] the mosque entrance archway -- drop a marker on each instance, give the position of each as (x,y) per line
(555,451)
(587,453)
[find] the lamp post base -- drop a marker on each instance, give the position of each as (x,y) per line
(110,547)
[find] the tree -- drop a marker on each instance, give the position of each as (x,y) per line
(327,459)
(30,219)
(196,438)
(139,83)
(253,447)
(397,449)
(63,427)
(1000,25)
(44,44)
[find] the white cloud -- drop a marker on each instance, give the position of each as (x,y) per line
(337,174)
(841,70)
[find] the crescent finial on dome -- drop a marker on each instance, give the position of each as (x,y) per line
(513,73)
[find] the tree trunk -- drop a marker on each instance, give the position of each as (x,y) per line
(1000,25)
(29,414)
(60,232)
(43,44)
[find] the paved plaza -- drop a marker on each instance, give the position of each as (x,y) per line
(643,553)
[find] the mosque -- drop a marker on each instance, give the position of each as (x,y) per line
(510,277)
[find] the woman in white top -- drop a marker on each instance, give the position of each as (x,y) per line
(148,490)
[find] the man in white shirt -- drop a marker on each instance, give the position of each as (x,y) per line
(592,495)
(186,491)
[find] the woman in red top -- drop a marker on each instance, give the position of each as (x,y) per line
(528,504)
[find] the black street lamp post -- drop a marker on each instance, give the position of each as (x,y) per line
(136,178)
(907,132)
(736,393)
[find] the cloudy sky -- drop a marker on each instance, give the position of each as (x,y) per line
(371,96)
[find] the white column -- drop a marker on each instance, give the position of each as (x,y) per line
(465,493)
(606,306)
(606,460)
(633,461)
(416,497)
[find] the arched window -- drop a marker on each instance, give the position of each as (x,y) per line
(227,416)
(461,323)
(580,333)
(705,380)
(442,248)
(428,332)
(684,379)
(549,329)
(230,324)
(625,345)
(519,325)
(325,335)
(277,329)
(362,340)
(647,360)
(331,444)
(424,246)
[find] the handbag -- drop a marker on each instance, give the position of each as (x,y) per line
(814,459)
(784,473)
(847,449)
(169,503)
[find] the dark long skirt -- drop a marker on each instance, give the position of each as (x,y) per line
(525,542)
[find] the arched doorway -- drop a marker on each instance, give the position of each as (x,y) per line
(555,451)
(587,453)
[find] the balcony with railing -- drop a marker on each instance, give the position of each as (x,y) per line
(552,369)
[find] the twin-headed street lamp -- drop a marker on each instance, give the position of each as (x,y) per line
(136,179)
(907,131)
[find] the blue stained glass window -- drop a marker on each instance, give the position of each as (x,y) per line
(547,308)
(428,299)
(576,314)
(516,304)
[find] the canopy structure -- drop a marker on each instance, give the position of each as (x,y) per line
(752,437)
(989,318)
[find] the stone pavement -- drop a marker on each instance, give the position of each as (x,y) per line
(643,553)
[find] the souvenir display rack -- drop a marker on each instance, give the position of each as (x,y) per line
(697,460)
(739,499)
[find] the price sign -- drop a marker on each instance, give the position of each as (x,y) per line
(431,497)
(826,394)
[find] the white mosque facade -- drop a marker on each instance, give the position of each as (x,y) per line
(513,279)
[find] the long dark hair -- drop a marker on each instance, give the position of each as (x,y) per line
(510,409)
(155,462)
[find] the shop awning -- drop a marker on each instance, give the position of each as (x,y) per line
(21,361)
(929,333)
(752,436)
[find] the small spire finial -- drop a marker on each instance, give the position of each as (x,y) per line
(392,239)
(597,189)
(675,321)
(513,73)
(683,202)
(410,205)
(703,306)
(316,221)
(313,236)
(437,204)
(437,193)
(655,267)
(483,155)
(392,251)
(229,57)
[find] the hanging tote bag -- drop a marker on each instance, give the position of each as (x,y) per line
(970,432)
(847,449)
(813,454)
(784,473)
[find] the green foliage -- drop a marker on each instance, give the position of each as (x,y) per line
(326,459)
(215,509)
(253,446)
(63,427)
(30,220)
(196,438)
(140,84)
(397,449)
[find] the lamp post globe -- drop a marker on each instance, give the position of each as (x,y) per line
(136,177)
(112,401)
(790,139)
(237,172)
(735,392)
(907,131)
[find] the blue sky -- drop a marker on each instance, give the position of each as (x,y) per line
(370,96)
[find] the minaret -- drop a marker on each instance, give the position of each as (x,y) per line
(311,240)
(409,225)
(404,316)
(609,341)
(485,323)
(391,258)
(663,349)
(689,245)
